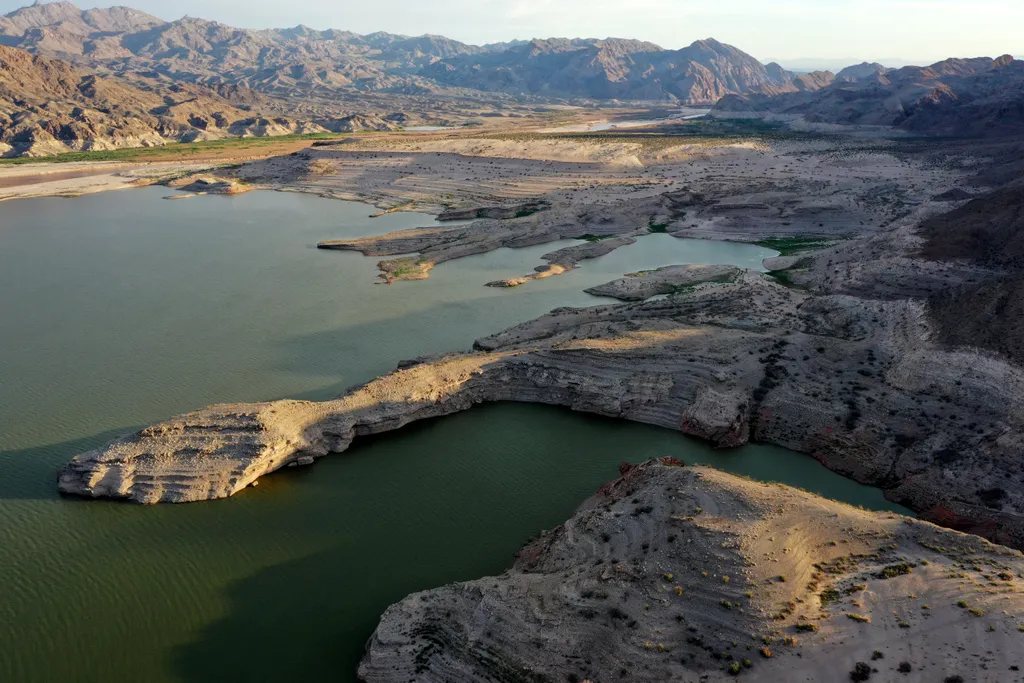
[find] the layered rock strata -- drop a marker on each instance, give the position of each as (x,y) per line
(663,281)
(858,383)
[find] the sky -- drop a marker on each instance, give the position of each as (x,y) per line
(910,31)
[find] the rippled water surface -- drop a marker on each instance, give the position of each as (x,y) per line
(122,309)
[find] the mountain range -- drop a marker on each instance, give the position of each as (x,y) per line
(963,97)
(73,79)
(48,106)
(304,62)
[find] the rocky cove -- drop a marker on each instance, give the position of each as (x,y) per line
(836,352)
(492,278)
(716,360)
(730,355)
(199,311)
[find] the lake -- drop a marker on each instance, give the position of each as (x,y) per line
(122,309)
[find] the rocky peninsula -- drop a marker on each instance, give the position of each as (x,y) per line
(876,343)
(675,573)
(803,358)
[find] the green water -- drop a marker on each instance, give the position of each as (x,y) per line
(121,309)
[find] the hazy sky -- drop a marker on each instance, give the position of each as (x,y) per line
(915,30)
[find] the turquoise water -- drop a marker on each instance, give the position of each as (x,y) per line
(122,309)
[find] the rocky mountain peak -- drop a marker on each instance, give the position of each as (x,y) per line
(858,72)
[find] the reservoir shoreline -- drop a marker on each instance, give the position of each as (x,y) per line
(196,311)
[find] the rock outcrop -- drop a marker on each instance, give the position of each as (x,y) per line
(566,259)
(606,228)
(667,280)
(676,573)
(498,212)
(858,383)
(210,184)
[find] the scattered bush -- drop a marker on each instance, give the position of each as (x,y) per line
(905,668)
(861,672)
(894,570)
(992,498)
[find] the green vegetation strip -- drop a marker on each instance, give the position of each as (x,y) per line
(787,246)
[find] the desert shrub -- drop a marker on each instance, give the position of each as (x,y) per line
(861,672)
(992,498)
(894,570)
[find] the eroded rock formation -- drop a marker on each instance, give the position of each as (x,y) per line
(674,573)
(857,383)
